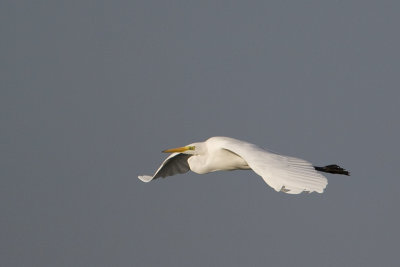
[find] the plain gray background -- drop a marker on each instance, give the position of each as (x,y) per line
(92,91)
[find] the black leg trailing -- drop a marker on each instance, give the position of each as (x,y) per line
(335,169)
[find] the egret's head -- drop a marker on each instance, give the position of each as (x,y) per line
(191,149)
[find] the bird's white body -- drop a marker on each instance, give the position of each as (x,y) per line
(216,159)
(286,174)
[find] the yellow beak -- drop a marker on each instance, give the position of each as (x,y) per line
(178,149)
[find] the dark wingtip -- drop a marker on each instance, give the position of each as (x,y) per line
(334,169)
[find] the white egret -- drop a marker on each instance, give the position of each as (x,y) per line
(285,174)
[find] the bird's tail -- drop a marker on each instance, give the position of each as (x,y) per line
(335,169)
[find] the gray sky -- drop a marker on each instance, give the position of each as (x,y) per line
(92,91)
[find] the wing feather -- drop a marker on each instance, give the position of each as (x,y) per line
(287,174)
(176,163)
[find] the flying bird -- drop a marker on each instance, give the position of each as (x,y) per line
(284,174)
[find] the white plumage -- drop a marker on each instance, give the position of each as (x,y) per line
(285,174)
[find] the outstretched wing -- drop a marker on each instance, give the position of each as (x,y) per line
(287,174)
(176,163)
